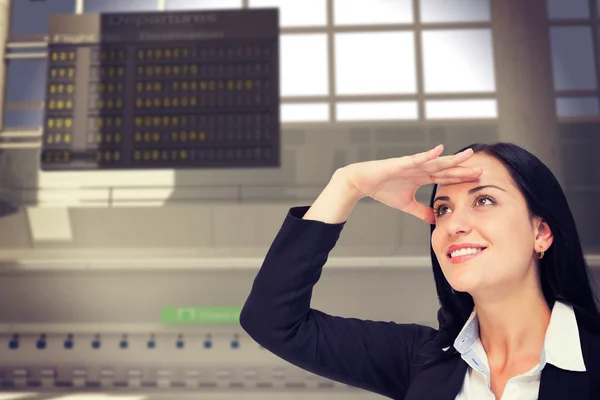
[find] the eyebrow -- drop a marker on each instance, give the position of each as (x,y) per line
(471,191)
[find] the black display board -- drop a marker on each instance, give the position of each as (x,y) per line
(162,90)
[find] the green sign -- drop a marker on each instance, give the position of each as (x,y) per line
(200,315)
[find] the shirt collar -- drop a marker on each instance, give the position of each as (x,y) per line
(562,345)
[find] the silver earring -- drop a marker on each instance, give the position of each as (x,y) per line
(540,255)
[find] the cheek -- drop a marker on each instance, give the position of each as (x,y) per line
(518,239)
(439,244)
(511,238)
(435,243)
(511,230)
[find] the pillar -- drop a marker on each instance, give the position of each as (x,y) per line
(4,30)
(525,85)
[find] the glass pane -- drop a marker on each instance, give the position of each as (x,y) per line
(31,17)
(561,9)
(26,51)
(367,12)
(573,62)
(375,63)
(33,118)
(455,10)
(577,107)
(464,109)
(308,112)
(296,13)
(119,5)
(458,61)
(304,65)
(202,4)
(26,80)
(385,110)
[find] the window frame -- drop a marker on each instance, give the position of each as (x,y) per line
(593,22)
(38,48)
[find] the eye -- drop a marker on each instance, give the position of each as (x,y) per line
(479,201)
(483,198)
(437,208)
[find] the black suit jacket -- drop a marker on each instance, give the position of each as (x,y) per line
(382,357)
(448,374)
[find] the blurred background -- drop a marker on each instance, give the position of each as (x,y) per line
(126,284)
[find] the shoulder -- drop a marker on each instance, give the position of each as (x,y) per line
(414,337)
(589,333)
(422,335)
(431,346)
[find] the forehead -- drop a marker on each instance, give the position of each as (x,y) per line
(494,173)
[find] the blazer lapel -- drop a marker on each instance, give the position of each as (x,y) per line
(561,384)
(441,380)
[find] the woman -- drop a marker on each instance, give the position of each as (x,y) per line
(517,320)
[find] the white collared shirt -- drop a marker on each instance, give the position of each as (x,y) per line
(562,348)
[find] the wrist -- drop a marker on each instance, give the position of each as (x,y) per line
(340,184)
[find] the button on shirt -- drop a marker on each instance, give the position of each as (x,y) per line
(562,348)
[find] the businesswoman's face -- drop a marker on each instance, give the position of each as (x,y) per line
(484,238)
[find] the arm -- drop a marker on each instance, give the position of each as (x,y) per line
(374,356)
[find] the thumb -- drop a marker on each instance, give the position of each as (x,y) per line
(421,211)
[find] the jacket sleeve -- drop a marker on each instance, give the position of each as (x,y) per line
(371,355)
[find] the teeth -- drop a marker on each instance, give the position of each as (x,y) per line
(464,252)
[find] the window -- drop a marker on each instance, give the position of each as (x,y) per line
(23,118)
(304,65)
(375,63)
(382,111)
(573,58)
(380,61)
(25,80)
(369,60)
(571,9)
(31,17)
(444,11)
(577,107)
(458,61)
(202,4)
(574,36)
(453,109)
(99,6)
(293,13)
(372,12)
(25,92)
(308,112)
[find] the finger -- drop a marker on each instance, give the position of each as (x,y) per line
(457,172)
(452,181)
(421,211)
(421,158)
(447,161)
(393,165)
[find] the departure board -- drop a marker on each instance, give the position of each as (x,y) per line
(162,90)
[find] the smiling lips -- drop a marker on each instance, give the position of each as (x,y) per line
(464,252)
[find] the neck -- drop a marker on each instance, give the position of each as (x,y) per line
(514,325)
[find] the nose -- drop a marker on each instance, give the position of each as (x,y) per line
(458,222)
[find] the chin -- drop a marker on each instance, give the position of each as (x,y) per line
(464,282)
(463,288)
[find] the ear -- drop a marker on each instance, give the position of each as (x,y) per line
(543,235)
